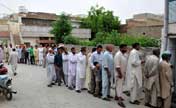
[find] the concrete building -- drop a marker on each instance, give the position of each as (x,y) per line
(4,32)
(144,24)
(34,28)
(169,38)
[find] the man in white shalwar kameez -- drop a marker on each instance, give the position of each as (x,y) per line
(81,70)
(152,79)
(120,65)
(41,54)
(72,69)
(65,59)
(134,74)
(51,75)
(13,61)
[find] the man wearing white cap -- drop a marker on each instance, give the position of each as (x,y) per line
(50,67)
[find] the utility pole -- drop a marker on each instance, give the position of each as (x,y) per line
(166,21)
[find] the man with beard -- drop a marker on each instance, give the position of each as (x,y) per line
(120,63)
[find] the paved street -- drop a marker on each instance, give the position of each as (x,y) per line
(33,93)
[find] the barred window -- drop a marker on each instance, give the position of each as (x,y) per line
(172,11)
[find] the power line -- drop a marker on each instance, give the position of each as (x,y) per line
(3,5)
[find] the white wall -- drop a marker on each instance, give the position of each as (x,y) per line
(35,31)
(81,33)
(172,28)
(4,28)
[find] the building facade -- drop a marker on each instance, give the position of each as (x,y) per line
(35,27)
(169,38)
(4,32)
(144,24)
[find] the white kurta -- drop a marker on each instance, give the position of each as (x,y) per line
(13,60)
(134,74)
(40,50)
(72,70)
(81,71)
(134,69)
(120,61)
(51,75)
(65,58)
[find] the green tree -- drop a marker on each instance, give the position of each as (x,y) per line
(61,28)
(100,20)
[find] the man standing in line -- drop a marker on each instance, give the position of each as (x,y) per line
(107,69)
(31,53)
(19,50)
(97,56)
(59,66)
(65,59)
(120,64)
(72,69)
(45,51)
(81,70)
(152,79)
(36,55)
(6,53)
(41,54)
(1,54)
(166,80)
(13,60)
(50,67)
(134,74)
(89,70)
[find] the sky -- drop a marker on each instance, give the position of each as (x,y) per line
(125,9)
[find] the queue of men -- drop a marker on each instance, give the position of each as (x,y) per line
(99,69)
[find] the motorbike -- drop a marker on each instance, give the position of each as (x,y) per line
(6,83)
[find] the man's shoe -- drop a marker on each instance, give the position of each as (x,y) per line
(53,83)
(121,104)
(49,85)
(147,104)
(116,98)
(106,99)
(110,96)
(59,84)
(135,102)
(89,92)
(84,89)
(70,88)
(95,95)
(121,98)
(15,74)
(127,93)
(78,91)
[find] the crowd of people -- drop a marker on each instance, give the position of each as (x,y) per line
(98,70)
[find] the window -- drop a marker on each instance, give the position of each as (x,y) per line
(172,11)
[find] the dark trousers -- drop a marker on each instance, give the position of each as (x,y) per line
(93,82)
(32,60)
(26,60)
(60,75)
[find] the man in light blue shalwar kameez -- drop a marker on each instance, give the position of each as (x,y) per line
(107,69)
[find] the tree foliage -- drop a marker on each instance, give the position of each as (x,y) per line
(61,28)
(100,20)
